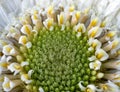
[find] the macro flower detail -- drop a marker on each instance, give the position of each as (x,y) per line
(59,46)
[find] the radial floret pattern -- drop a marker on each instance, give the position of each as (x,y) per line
(60,47)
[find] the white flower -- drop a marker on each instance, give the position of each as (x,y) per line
(4,63)
(14,33)
(26,29)
(94,43)
(9,50)
(61,18)
(8,85)
(94,32)
(14,67)
(24,41)
(49,23)
(109,87)
(89,88)
(101,55)
(80,28)
(26,78)
(95,65)
(95,25)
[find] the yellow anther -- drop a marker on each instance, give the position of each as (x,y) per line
(8,49)
(114,44)
(88,90)
(93,33)
(77,15)
(61,19)
(103,24)
(50,10)
(4,64)
(49,24)
(99,55)
(26,76)
(94,45)
(27,30)
(17,67)
(110,34)
(95,65)
(24,39)
(7,85)
(35,17)
(104,87)
(71,9)
(94,22)
(80,29)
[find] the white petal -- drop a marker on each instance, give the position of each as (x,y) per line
(101,55)
(81,86)
(30,73)
(24,63)
(26,29)
(41,89)
(94,32)
(92,58)
(14,67)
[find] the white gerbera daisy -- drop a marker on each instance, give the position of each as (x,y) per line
(59,46)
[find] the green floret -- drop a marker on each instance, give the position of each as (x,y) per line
(59,60)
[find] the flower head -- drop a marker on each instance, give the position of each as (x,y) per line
(59,46)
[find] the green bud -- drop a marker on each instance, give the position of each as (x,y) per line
(23,49)
(46,89)
(93,78)
(85,77)
(93,72)
(35,89)
(72,88)
(86,83)
(57,90)
(27,68)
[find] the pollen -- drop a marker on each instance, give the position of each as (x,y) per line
(7,85)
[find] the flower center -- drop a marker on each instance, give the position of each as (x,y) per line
(59,60)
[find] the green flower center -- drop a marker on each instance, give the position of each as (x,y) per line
(59,60)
